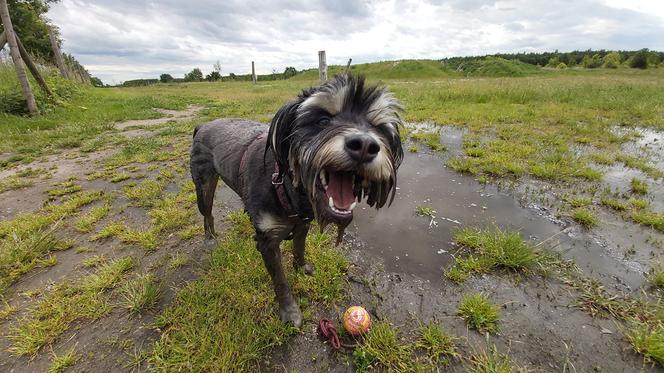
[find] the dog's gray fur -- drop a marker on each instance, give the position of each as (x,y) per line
(342,130)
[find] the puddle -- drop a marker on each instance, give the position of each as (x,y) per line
(412,244)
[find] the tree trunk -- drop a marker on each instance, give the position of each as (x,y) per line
(3,39)
(57,53)
(16,58)
(32,67)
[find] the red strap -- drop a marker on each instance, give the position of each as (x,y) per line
(327,330)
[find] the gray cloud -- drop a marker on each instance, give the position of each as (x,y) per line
(127,39)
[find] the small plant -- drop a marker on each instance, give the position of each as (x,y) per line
(437,343)
(428,212)
(649,219)
(580,202)
(657,277)
(177,261)
(491,362)
(13,182)
(639,203)
(61,189)
(613,203)
(141,292)
(479,312)
(62,362)
(94,261)
(432,139)
(412,148)
(585,217)
(381,350)
(639,186)
(648,340)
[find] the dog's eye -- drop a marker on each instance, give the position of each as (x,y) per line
(324,121)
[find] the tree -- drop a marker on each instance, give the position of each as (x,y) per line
(165,78)
(213,76)
(639,60)
(290,71)
(611,60)
(217,67)
(591,62)
(96,82)
(195,75)
(30,26)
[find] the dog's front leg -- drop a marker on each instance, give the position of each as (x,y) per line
(289,311)
(299,239)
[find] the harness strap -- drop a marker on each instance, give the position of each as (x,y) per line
(282,194)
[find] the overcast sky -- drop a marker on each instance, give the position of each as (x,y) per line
(119,40)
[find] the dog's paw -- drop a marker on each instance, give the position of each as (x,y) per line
(291,313)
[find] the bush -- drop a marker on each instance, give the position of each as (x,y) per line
(165,78)
(611,60)
(195,75)
(139,82)
(639,60)
(591,62)
(213,76)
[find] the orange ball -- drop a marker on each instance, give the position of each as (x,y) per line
(356,320)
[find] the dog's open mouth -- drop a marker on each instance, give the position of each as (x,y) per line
(339,190)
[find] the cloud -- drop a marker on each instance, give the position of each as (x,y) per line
(127,39)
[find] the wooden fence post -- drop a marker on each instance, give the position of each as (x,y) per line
(348,65)
(16,58)
(3,39)
(322,66)
(253,72)
(57,53)
(32,67)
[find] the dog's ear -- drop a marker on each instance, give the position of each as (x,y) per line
(279,133)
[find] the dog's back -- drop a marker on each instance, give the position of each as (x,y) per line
(218,148)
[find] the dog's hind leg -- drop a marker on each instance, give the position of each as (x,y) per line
(289,311)
(299,239)
(206,207)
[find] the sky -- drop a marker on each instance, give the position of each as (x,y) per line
(119,40)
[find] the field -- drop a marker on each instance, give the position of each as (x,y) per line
(528,232)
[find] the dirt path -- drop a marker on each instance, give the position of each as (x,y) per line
(398,259)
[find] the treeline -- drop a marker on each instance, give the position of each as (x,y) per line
(590,59)
(196,75)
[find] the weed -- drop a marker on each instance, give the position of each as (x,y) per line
(140,293)
(86,223)
(112,229)
(428,212)
(479,312)
(119,177)
(639,186)
(492,249)
(64,304)
(603,159)
(94,261)
(61,363)
(639,203)
(438,345)
(585,217)
(580,202)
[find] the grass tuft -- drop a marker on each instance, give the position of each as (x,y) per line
(141,293)
(438,345)
(479,312)
(60,363)
(613,203)
(431,139)
(639,186)
(580,202)
(585,217)
(491,249)
(648,340)
(14,182)
(491,362)
(87,222)
(381,351)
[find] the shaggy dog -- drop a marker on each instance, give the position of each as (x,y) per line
(324,152)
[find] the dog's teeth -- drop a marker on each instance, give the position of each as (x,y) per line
(331,203)
(352,206)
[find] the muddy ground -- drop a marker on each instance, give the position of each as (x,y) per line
(397,271)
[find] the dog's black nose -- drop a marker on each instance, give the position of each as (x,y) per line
(362,147)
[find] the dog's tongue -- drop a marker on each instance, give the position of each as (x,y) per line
(340,188)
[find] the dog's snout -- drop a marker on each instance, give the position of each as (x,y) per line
(362,147)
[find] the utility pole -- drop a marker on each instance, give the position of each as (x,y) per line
(16,58)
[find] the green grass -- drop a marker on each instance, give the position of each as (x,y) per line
(648,340)
(64,304)
(87,222)
(381,350)
(61,363)
(14,182)
(479,313)
(585,217)
(64,188)
(640,163)
(227,319)
(438,345)
(140,293)
(491,249)
(580,202)
(431,139)
(177,260)
(613,203)
(650,219)
(639,186)
(656,278)
(146,193)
